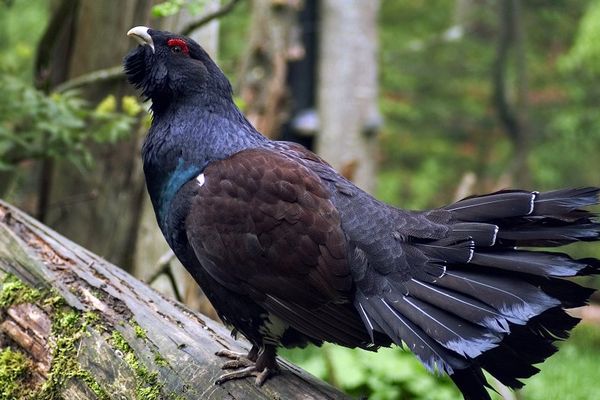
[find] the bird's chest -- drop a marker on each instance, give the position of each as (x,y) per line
(165,183)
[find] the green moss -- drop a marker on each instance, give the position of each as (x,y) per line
(14,291)
(147,385)
(14,372)
(91,383)
(68,326)
(142,334)
(139,331)
(160,361)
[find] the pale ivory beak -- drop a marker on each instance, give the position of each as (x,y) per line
(140,33)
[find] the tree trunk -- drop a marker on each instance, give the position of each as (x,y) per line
(100,206)
(74,326)
(347,92)
(513,115)
(273,36)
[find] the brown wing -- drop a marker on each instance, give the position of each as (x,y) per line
(264,225)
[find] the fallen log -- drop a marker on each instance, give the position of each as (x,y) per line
(74,326)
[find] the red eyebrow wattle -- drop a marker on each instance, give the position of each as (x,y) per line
(181,43)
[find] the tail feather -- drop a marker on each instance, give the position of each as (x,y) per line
(548,233)
(531,262)
(516,300)
(472,300)
(569,293)
(565,201)
(465,307)
(401,330)
(461,336)
(505,204)
(482,234)
(471,382)
(507,365)
(448,252)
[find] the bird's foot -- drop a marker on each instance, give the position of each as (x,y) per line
(238,360)
(261,365)
(261,376)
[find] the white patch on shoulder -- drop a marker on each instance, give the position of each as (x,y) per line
(200,178)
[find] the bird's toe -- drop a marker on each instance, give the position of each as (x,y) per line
(240,362)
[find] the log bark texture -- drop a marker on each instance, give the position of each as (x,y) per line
(90,330)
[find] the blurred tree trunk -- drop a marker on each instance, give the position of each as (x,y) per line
(99,207)
(513,113)
(273,37)
(347,92)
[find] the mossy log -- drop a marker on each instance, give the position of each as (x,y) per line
(74,326)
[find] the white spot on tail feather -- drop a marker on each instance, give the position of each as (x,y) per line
(471,251)
(496,229)
(534,196)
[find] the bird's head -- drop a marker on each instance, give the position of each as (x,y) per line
(167,67)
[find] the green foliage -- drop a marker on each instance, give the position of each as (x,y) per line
(573,372)
(172,7)
(388,374)
(392,374)
(232,27)
(436,96)
(584,56)
(21,23)
(34,125)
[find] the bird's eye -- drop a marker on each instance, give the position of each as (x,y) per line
(178,46)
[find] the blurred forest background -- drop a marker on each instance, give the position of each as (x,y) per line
(420,102)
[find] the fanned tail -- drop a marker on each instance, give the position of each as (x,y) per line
(478,300)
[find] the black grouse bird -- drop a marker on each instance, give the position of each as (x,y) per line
(290,252)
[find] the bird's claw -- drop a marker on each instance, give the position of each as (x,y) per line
(261,376)
(234,355)
(237,363)
(245,364)
(238,360)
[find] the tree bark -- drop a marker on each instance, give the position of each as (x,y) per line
(347,92)
(90,330)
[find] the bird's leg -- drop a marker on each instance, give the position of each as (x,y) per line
(263,367)
(266,364)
